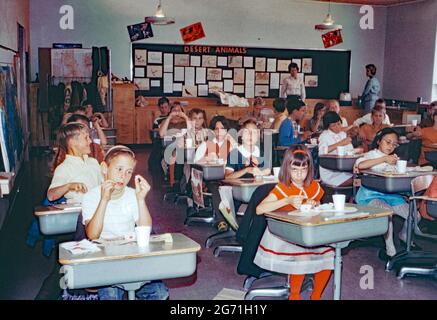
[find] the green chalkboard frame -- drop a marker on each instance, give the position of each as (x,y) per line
(331,66)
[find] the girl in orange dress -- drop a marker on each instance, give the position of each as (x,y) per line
(296,185)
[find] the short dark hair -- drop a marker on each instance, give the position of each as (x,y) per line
(293,65)
(372,68)
(198,111)
(279,104)
(297,155)
(294,104)
(381,134)
(221,119)
(163,100)
(77,118)
(330,117)
(86,103)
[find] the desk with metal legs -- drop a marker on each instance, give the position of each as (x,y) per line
(128,265)
(58,219)
(316,231)
(242,189)
(338,163)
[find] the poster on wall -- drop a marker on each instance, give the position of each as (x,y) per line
(140,57)
(311,81)
(192,32)
(140,31)
(307,65)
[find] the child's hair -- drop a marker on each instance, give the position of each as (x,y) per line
(198,111)
(78,118)
(319,106)
(221,119)
(297,155)
(117,151)
(247,122)
(381,134)
(330,117)
(176,104)
(294,104)
(293,65)
(279,105)
(163,100)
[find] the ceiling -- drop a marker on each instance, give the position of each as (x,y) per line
(374,2)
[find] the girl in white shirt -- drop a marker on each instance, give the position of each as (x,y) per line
(113,209)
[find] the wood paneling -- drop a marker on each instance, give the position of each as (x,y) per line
(124,112)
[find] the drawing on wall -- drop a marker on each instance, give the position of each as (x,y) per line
(140,57)
(235,61)
(260,64)
(154,57)
(189,91)
(262,78)
(195,61)
(222,61)
(182,60)
(203,90)
(248,62)
(238,75)
(214,74)
(238,88)
(307,65)
(261,91)
(298,62)
(142,83)
(283,65)
(227,74)
(215,86)
(155,83)
(140,72)
(209,61)
(154,71)
(311,81)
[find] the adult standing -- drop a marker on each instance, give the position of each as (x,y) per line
(371,90)
(293,85)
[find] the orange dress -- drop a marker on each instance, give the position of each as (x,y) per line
(278,255)
(429,136)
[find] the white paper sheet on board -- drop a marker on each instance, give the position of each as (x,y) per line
(200,75)
(195,61)
(271,65)
(222,61)
(274,80)
(189,76)
(168,82)
(248,62)
(179,74)
(177,87)
(202,90)
(228,85)
(168,62)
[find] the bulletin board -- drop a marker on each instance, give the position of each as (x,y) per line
(194,70)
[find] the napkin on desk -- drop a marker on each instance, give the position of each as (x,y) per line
(80,247)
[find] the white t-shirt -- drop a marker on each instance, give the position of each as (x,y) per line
(367,118)
(293,86)
(120,216)
(76,169)
(327,138)
(375,154)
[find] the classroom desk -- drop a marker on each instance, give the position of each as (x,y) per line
(130,266)
(316,231)
(391,182)
(211,171)
(242,189)
(338,163)
(58,219)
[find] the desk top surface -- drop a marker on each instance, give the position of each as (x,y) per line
(181,244)
(249,182)
(317,220)
(409,174)
(336,156)
(57,209)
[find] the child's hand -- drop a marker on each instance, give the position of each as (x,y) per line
(266,172)
(108,187)
(391,159)
(77,187)
(295,201)
(312,202)
(142,187)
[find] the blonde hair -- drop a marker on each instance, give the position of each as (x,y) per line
(117,151)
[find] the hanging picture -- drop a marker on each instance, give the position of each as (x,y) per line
(179,74)
(271,65)
(140,72)
(222,61)
(177,87)
(238,75)
(168,62)
(155,83)
(262,78)
(227,74)
(283,65)
(248,62)
(209,61)
(311,81)
(201,75)
(214,74)
(332,38)
(228,85)
(260,64)
(154,71)
(235,61)
(261,91)
(142,83)
(307,65)
(299,63)
(140,57)
(140,31)
(274,80)
(182,60)
(189,91)
(238,89)
(202,90)
(192,32)
(195,61)
(154,57)
(215,86)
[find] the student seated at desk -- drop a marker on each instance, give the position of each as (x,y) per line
(367,118)
(246,159)
(164,109)
(197,126)
(281,112)
(428,116)
(114,209)
(78,173)
(94,116)
(332,137)
(381,158)
(429,139)
(296,185)
(288,131)
(334,105)
(316,122)
(367,131)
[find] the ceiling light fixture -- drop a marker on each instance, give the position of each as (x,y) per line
(328,23)
(159,18)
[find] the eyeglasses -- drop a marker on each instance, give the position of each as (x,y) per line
(299,169)
(391,143)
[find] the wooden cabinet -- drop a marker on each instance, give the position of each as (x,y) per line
(123,96)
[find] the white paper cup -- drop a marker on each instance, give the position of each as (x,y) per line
(313,141)
(414,122)
(143,235)
(276,172)
(305,207)
(341,150)
(189,143)
(401,166)
(339,201)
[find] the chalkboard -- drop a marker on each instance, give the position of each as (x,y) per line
(192,70)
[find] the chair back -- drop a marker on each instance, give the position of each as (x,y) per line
(421,183)
(227,207)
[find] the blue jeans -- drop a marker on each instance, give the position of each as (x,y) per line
(155,290)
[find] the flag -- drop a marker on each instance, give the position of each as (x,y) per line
(192,32)
(332,38)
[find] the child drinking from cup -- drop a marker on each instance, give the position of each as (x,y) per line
(113,210)
(296,186)
(382,158)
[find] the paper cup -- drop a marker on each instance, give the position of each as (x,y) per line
(401,166)
(276,172)
(414,122)
(305,207)
(339,201)
(341,150)
(143,235)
